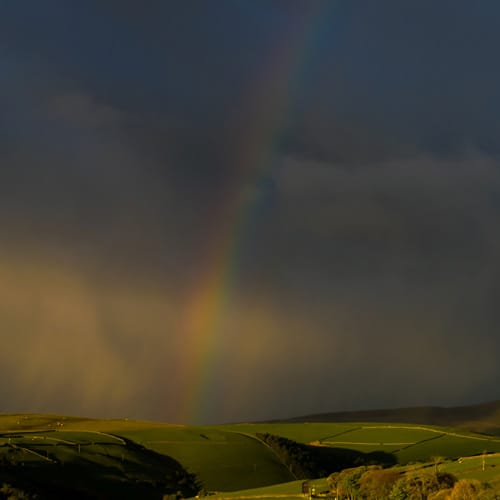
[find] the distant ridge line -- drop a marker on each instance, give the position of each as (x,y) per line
(483,417)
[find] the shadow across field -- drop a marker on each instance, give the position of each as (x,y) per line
(49,467)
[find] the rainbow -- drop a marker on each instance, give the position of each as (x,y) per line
(269,108)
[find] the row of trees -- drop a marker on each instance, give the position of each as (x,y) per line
(375,483)
(298,457)
(306,461)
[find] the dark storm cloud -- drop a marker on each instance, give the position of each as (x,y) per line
(373,255)
(391,78)
(391,272)
(376,80)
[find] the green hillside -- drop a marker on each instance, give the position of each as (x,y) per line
(223,460)
(78,464)
(131,459)
(408,443)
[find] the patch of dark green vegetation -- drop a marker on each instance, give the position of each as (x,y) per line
(306,461)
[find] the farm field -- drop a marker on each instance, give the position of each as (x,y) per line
(300,432)
(465,468)
(226,459)
(35,422)
(223,460)
(468,468)
(472,467)
(292,489)
(408,443)
(76,464)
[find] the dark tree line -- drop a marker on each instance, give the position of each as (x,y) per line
(307,461)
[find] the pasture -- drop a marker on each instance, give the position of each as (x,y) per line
(482,467)
(225,458)
(82,463)
(408,443)
(292,489)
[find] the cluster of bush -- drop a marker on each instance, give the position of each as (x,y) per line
(9,492)
(375,483)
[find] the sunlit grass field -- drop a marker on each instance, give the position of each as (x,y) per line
(223,460)
(409,443)
(83,462)
(292,489)
(231,457)
(300,432)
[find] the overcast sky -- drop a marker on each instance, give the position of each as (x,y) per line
(361,140)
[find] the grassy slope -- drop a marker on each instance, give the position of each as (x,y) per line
(80,464)
(222,460)
(291,489)
(465,468)
(228,457)
(409,443)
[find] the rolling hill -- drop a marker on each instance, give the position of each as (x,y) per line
(484,417)
(120,458)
